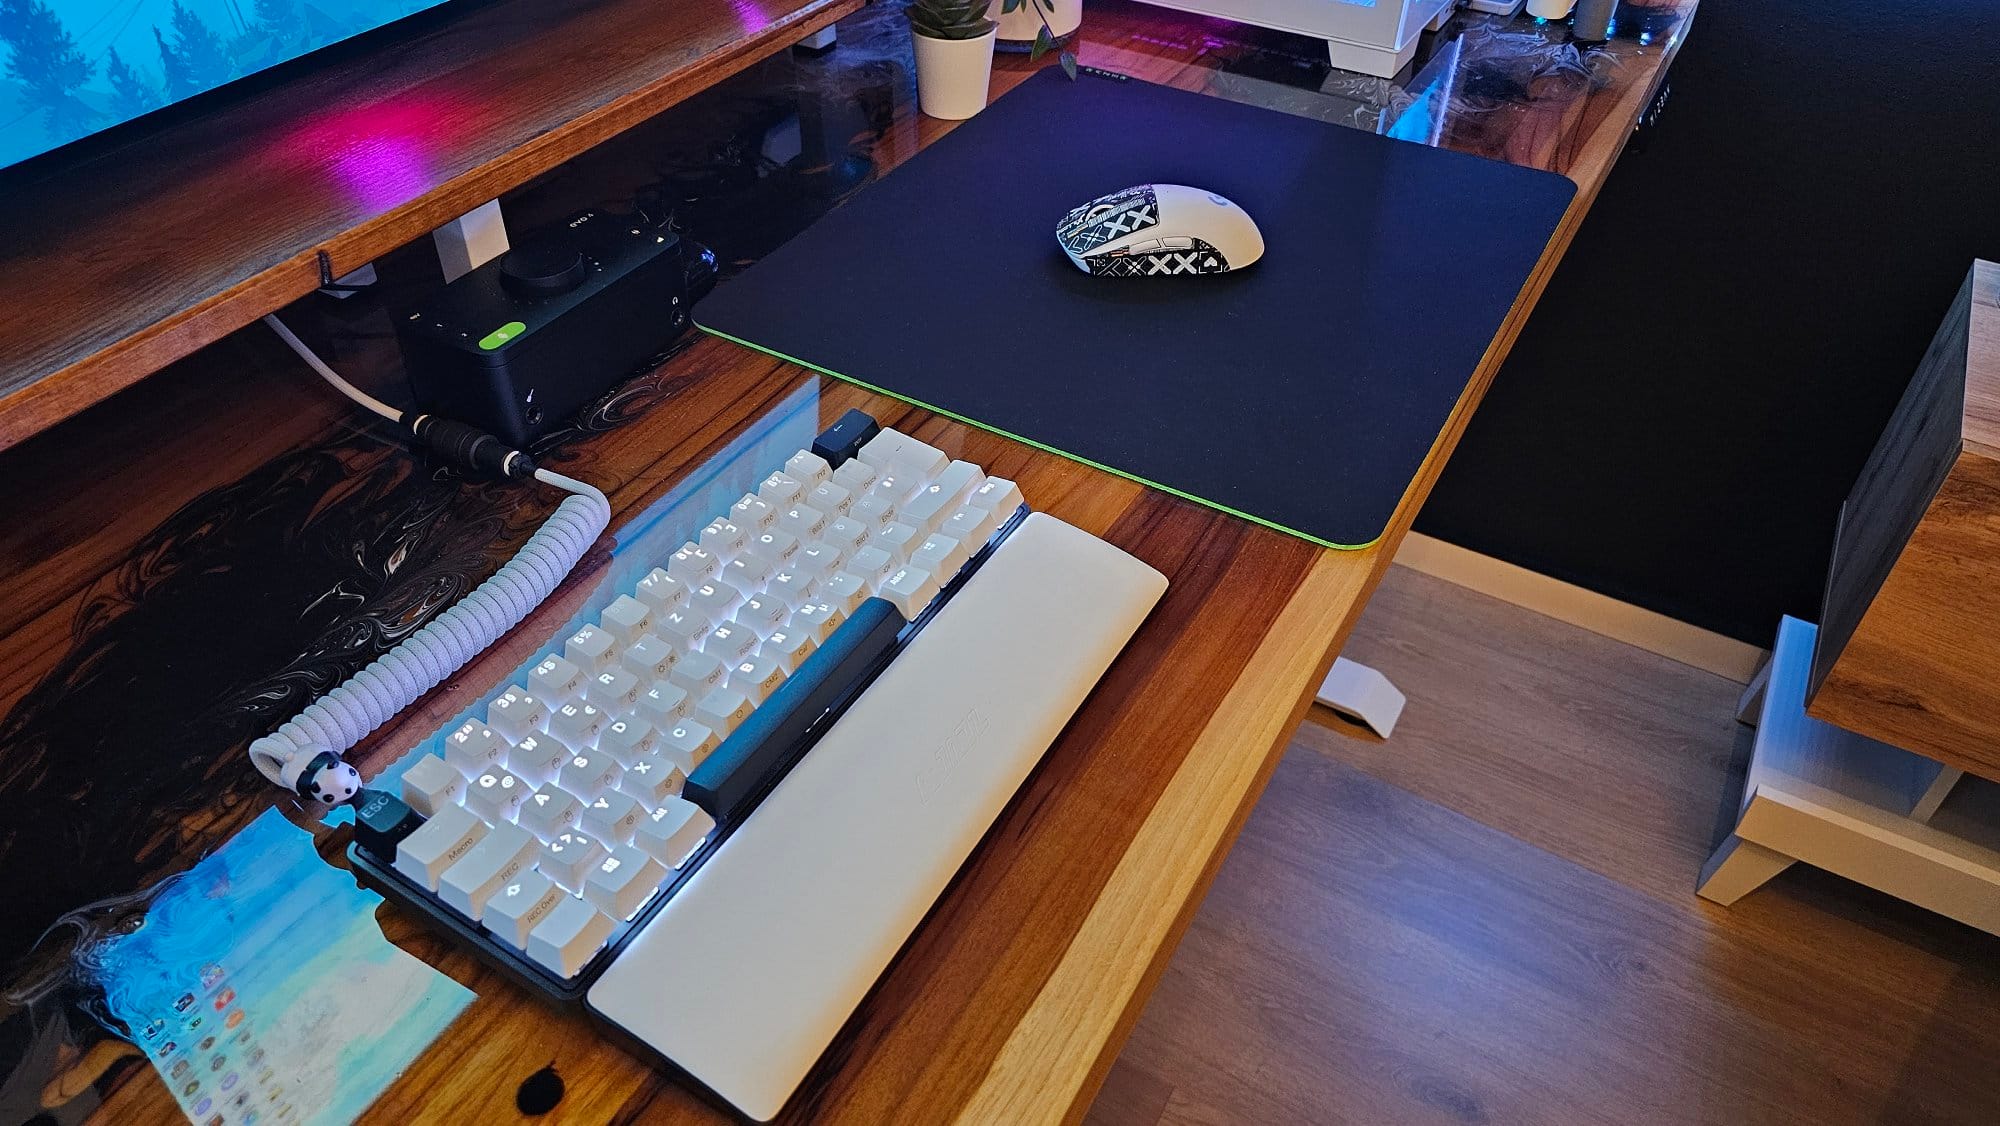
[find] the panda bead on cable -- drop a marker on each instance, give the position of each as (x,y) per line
(322,777)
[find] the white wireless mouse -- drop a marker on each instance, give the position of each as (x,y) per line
(1159,229)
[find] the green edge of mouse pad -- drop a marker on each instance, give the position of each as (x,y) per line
(1218,506)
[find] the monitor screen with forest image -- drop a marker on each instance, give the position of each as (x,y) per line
(72,68)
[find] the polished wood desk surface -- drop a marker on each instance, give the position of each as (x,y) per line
(1012,999)
(112,269)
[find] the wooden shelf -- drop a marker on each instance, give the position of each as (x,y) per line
(1818,794)
(114,268)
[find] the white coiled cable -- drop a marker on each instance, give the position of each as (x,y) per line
(396,679)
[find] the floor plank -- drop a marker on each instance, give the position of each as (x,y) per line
(1490,918)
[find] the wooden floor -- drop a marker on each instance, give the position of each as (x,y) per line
(1491,918)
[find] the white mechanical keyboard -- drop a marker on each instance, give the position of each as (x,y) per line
(555,832)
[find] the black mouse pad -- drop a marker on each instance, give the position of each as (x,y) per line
(1303,392)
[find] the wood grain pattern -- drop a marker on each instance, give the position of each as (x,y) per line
(1490,919)
(1911,624)
(116,268)
(1082,887)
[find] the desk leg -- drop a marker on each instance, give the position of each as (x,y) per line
(1738,868)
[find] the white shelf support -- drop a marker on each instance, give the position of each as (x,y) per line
(1876,814)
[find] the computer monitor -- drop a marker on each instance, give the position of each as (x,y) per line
(73,69)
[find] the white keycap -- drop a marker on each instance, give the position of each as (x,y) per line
(516,909)
(628,740)
(569,856)
(756,677)
(688,744)
(855,476)
(437,844)
(664,704)
(940,555)
(898,539)
(808,467)
(748,571)
(970,526)
(693,564)
(911,589)
(940,498)
(731,642)
(474,747)
(920,459)
(803,521)
(997,495)
(590,649)
(621,883)
(873,564)
(753,513)
(650,658)
(615,690)
(683,629)
(846,533)
(626,619)
(724,537)
(496,794)
(699,672)
(550,811)
(780,490)
(787,646)
(820,618)
(430,784)
(872,512)
(763,612)
(896,486)
(716,599)
(774,546)
(652,779)
(565,940)
(555,680)
(611,816)
(577,724)
(817,560)
(673,831)
(502,854)
(880,451)
(722,709)
(537,758)
(661,591)
(830,499)
(791,587)
(846,591)
(516,714)
(590,773)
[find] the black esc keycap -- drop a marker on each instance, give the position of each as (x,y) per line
(381,821)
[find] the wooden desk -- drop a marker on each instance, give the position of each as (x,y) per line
(113,269)
(1012,1000)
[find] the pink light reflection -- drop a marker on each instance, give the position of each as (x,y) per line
(383,154)
(749,15)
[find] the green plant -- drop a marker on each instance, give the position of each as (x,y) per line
(950,19)
(1045,39)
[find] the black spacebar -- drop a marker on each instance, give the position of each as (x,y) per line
(730,779)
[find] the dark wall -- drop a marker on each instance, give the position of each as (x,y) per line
(1712,362)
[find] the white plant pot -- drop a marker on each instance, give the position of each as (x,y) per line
(952,75)
(1020,26)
